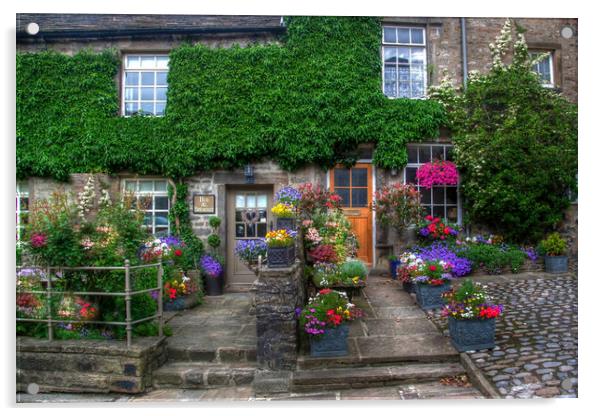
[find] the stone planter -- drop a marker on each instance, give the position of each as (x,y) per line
(214,286)
(285,223)
(181,302)
(409,287)
(281,256)
(429,297)
(393,264)
(333,343)
(472,334)
(556,264)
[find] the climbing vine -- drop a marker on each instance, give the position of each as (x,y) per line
(179,217)
(311,99)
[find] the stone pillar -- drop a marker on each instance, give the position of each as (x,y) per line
(277,293)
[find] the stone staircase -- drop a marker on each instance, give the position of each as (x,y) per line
(213,346)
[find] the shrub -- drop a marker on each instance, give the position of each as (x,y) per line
(397,205)
(554,245)
(352,269)
(215,222)
(324,253)
(493,258)
(214,241)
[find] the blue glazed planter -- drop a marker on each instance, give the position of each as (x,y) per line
(333,343)
(429,297)
(556,264)
(182,302)
(393,268)
(472,334)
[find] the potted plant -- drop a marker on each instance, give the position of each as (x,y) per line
(432,278)
(555,259)
(436,229)
(179,292)
(280,248)
(470,317)
(438,172)
(325,319)
(249,252)
(214,276)
(393,264)
(409,264)
(347,277)
(285,216)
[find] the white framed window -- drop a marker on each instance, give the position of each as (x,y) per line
(144,84)
(544,68)
(404,62)
(22,207)
(152,198)
(439,201)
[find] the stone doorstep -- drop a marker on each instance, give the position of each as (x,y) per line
(186,375)
(369,376)
(219,354)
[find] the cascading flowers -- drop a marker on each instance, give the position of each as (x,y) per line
(280,238)
(328,309)
(437,173)
(469,301)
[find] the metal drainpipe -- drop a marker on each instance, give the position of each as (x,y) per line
(464,54)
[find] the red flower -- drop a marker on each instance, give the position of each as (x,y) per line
(325,291)
(446,230)
(432,268)
(330,312)
(178,252)
(428,218)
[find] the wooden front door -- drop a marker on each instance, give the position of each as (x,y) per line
(248,217)
(354,186)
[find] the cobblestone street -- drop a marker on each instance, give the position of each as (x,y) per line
(536,353)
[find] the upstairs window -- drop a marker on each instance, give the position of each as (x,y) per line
(152,198)
(22,207)
(145,84)
(544,68)
(404,62)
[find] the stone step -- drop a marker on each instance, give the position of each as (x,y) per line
(187,375)
(359,377)
(212,354)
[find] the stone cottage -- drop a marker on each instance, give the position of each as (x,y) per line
(414,52)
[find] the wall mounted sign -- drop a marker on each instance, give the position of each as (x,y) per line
(203,204)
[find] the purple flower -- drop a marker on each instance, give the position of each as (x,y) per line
(460,266)
(297,312)
(211,266)
(250,250)
(288,195)
(424,232)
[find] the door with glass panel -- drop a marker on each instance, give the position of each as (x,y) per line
(354,186)
(249,218)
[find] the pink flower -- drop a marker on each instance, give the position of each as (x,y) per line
(38,240)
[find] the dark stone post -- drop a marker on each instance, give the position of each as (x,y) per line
(277,293)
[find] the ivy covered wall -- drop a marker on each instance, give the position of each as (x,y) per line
(310,100)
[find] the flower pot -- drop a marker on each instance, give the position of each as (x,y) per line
(214,286)
(393,264)
(471,334)
(285,224)
(556,264)
(429,297)
(333,343)
(181,302)
(281,256)
(409,287)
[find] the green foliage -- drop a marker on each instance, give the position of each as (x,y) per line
(554,245)
(312,99)
(516,147)
(182,227)
(353,268)
(214,241)
(494,258)
(215,222)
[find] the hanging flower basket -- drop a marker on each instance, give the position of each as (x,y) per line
(437,173)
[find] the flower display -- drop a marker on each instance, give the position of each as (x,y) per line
(433,273)
(437,173)
(178,285)
(210,266)
(38,240)
(77,308)
(460,266)
(434,228)
(328,309)
(283,210)
(349,273)
(469,301)
(250,250)
(324,253)
(288,195)
(280,238)
(397,205)
(316,199)
(163,248)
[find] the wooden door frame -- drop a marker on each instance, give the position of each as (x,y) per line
(372,169)
(230,222)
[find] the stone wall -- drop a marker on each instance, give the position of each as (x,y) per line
(88,366)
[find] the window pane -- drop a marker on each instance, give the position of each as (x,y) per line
(344,194)
(417,36)
(147,62)
(146,186)
(404,89)
(417,73)
(412,154)
(161,231)
(261,230)
(425,196)
(148,78)
(238,216)
(131,78)
(452,214)
(451,195)
(162,62)
(341,177)
(359,177)
(390,55)
(262,201)
(24,203)
(418,56)
(130,186)
(130,108)
(390,34)
(160,109)
(449,153)
(424,154)
(428,210)
(145,202)
(404,74)
(161,186)
(240,201)
(161,219)
(161,202)
(161,78)
(439,211)
(403,35)
(147,108)
(161,94)
(240,230)
(437,152)
(251,230)
(403,55)
(148,219)
(132,62)
(131,94)
(147,93)
(359,197)
(417,89)
(411,175)
(438,195)
(251,201)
